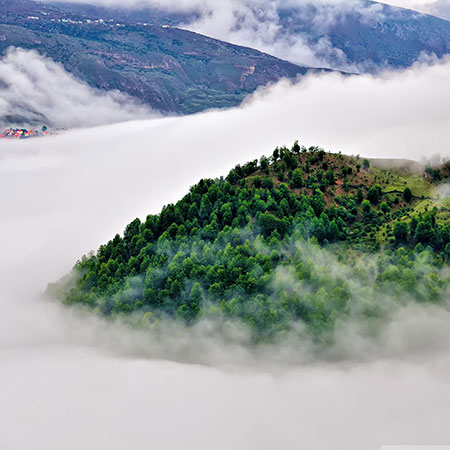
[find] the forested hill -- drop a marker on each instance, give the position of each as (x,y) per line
(293,237)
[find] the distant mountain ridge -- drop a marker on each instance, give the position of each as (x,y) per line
(142,52)
(170,69)
(393,38)
(371,37)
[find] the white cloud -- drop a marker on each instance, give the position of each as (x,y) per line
(257,24)
(76,398)
(41,91)
(70,382)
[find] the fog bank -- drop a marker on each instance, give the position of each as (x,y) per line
(397,114)
(76,398)
(71,381)
(37,91)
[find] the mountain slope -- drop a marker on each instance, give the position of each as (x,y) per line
(278,241)
(169,69)
(362,34)
(391,37)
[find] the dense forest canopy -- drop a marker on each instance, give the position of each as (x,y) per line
(300,237)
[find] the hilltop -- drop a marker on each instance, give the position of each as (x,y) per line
(277,241)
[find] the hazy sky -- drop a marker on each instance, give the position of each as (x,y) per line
(440,8)
(72,382)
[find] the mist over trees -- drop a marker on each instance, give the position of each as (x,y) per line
(302,236)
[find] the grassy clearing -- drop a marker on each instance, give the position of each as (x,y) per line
(392,180)
(419,186)
(422,190)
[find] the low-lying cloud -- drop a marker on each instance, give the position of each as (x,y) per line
(35,90)
(259,24)
(72,381)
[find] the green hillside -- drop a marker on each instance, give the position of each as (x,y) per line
(301,237)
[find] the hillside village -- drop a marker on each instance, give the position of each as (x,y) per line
(23,133)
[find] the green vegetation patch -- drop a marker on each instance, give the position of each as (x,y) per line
(302,237)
